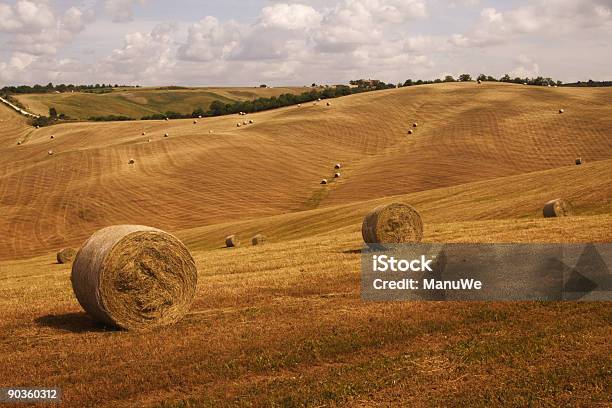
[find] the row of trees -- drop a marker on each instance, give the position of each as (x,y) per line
(49,88)
(482,77)
(219,108)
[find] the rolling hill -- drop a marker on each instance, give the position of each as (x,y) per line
(283,324)
(139,102)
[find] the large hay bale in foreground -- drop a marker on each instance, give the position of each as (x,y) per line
(258,239)
(395,223)
(134,277)
(557,208)
(232,241)
(65,255)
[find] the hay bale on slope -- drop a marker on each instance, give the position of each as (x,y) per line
(557,208)
(19,143)
(52,137)
(561,110)
(238,125)
(337,175)
(338,166)
(144,133)
(328,103)
(324,181)
(232,241)
(410,132)
(258,239)
(65,255)
(134,277)
(415,124)
(166,135)
(395,223)
(131,161)
(251,121)
(579,161)
(50,152)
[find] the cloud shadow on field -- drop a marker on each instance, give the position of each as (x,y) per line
(71,322)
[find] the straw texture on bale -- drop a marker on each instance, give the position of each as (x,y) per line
(232,241)
(395,223)
(557,208)
(134,277)
(258,239)
(65,255)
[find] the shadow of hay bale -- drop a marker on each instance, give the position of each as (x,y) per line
(72,322)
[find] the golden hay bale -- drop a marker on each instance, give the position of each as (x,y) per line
(579,161)
(50,152)
(410,132)
(324,181)
(167,119)
(395,223)
(338,166)
(251,121)
(558,208)
(299,105)
(166,135)
(52,137)
(195,122)
(238,125)
(258,239)
(337,175)
(415,124)
(319,100)
(144,133)
(131,161)
(149,140)
(479,82)
(200,117)
(65,255)
(19,143)
(232,241)
(561,110)
(328,103)
(210,131)
(245,123)
(134,277)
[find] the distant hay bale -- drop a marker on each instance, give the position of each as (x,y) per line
(200,117)
(144,133)
(195,122)
(410,132)
(210,131)
(167,119)
(232,241)
(415,125)
(238,125)
(65,255)
(338,166)
(319,100)
(328,103)
(134,277)
(395,223)
(166,135)
(149,140)
(479,82)
(337,175)
(561,110)
(579,161)
(324,181)
(131,161)
(19,143)
(245,123)
(299,105)
(251,121)
(52,137)
(258,239)
(557,208)
(50,152)
(37,127)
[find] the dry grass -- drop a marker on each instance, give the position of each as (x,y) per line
(282,324)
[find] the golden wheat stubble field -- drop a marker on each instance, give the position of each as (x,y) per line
(283,324)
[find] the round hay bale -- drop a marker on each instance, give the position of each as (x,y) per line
(144,133)
(324,181)
(166,135)
(200,117)
(134,277)
(149,140)
(338,166)
(52,137)
(479,82)
(50,152)
(245,123)
(232,241)
(195,122)
(557,208)
(395,223)
(299,105)
(258,239)
(579,161)
(319,100)
(131,161)
(337,175)
(328,103)
(238,125)
(415,124)
(561,110)
(166,119)
(210,131)
(65,255)
(410,132)
(37,127)
(251,121)
(19,143)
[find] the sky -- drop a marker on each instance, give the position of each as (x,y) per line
(251,42)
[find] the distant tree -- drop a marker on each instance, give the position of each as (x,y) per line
(52,113)
(482,77)
(449,78)
(505,78)
(314,85)
(263,86)
(408,82)
(490,78)
(465,77)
